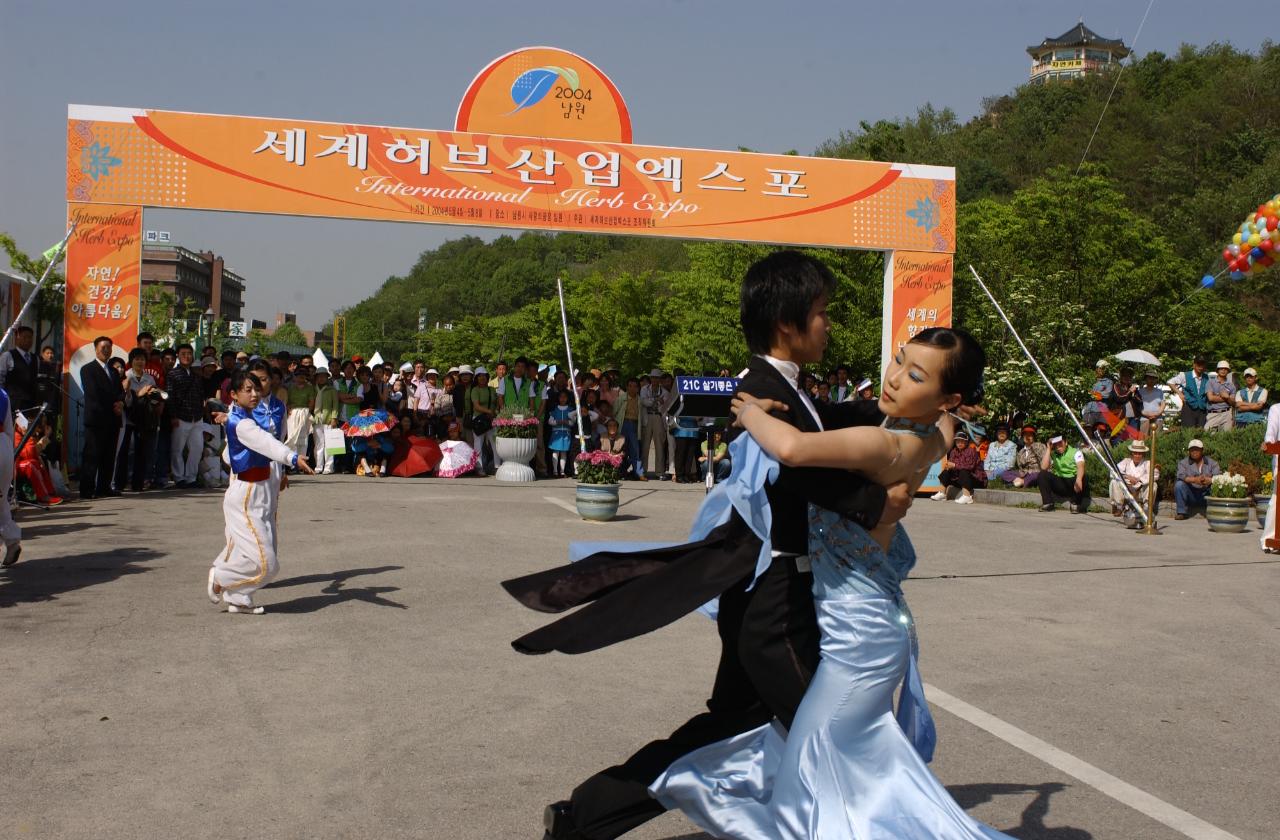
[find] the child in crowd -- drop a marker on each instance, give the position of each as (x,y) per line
(249,560)
(561,420)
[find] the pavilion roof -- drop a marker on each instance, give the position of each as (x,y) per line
(1081,36)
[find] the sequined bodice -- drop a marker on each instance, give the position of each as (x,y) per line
(847,561)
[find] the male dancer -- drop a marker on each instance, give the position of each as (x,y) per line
(768,631)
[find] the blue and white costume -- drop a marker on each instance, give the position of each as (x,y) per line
(249,560)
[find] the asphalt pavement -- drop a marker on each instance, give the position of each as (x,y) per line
(379,698)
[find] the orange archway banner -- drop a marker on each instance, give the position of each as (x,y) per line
(297,167)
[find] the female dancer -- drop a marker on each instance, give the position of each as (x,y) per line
(847,770)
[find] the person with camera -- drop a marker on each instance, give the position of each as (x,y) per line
(143,405)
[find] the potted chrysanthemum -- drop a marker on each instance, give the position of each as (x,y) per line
(1227,507)
(1262,499)
(599,475)
(516,441)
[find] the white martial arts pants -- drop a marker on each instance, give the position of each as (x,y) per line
(249,560)
(188,436)
(299,426)
(9,530)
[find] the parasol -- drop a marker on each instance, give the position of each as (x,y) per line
(1138,357)
(414,456)
(370,422)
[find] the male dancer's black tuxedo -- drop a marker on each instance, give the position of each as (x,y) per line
(768,633)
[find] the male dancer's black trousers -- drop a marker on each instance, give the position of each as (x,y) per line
(769,651)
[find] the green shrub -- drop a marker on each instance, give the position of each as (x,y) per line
(1243,445)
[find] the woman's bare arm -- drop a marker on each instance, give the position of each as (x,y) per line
(866,449)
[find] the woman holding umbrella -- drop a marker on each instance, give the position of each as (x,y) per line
(370,434)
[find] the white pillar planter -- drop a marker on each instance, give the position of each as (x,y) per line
(516,453)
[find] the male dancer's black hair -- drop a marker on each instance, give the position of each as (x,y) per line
(780,289)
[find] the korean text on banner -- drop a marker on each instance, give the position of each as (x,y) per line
(103,276)
(917,296)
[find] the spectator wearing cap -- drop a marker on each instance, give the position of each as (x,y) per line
(209,378)
(426,393)
(324,416)
(1001,453)
(653,431)
(461,407)
(1062,474)
(1101,393)
(962,470)
(1195,475)
(1135,471)
(1150,399)
(1026,463)
(1124,398)
(865,390)
(1251,400)
(1192,386)
(484,407)
(1221,397)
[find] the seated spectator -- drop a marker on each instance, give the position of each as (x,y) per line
(1062,474)
(1136,472)
(1195,475)
(1026,463)
(1001,453)
(1151,401)
(1251,400)
(719,456)
(613,441)
(962,469)
(29,463)
(1221,396)
(458,457)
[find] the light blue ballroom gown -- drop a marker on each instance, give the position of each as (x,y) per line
(847,770)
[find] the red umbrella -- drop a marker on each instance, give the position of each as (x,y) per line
(414,456)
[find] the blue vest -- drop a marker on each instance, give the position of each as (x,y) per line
(1195,391)
(242,457)
(270,415)
(4,403)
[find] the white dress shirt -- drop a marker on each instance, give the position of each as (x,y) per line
(791,372)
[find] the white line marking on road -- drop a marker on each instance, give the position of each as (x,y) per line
(1119,790)
(561,503)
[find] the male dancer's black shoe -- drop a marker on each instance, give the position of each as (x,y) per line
(558,820)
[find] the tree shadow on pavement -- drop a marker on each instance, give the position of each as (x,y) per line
(336,591)
(33,580)
(1032,826)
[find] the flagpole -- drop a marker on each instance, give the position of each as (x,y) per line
(61,246)
(568,352)
(1115,476)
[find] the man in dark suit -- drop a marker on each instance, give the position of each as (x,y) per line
(768,631)
(103,408)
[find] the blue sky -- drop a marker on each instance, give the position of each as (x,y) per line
(771,76)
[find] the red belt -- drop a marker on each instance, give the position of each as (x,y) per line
(255,474)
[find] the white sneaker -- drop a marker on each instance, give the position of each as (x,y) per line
(964,500)
(244,610)
(940,496)
(215,597)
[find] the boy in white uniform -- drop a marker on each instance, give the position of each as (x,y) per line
(1272,436)
(249,560)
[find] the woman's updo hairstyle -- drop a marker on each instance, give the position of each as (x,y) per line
(966,361)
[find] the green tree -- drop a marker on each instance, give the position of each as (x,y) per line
(289,333)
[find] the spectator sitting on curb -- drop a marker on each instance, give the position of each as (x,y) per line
(1195,475)
(1062,474)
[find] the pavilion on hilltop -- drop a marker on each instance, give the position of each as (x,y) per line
(1073,54)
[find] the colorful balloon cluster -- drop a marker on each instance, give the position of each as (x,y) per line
(1255,245)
